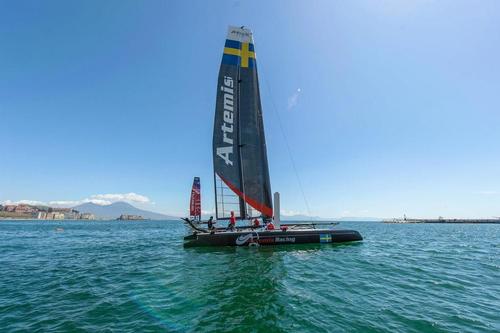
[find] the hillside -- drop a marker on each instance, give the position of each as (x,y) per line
(116,209)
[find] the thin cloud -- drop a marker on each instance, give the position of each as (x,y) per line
(346,213)
(294,99)
(290,212)
(489,192)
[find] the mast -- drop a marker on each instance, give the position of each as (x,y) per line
(243,211)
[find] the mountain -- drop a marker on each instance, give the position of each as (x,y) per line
(116,209)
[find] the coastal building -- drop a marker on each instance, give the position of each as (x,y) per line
(57,216)
(25,209)
(71,214)
(87,216)
(10,208)
(50,216)
(62,210)
(43,213)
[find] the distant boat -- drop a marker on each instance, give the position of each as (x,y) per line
(241,172)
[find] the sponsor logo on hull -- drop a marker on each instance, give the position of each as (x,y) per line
(248,238)
(325,238)
(243,239)
(267,240)
(284,239)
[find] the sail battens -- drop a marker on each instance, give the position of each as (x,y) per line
(265,210)
(239,148)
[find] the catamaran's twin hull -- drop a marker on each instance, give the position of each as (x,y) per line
(249,238)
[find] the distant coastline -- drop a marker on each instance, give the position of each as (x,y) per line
(86,211)
(39,212)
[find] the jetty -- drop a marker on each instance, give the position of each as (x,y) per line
(443,220)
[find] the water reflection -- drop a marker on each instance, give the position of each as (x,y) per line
(239,287)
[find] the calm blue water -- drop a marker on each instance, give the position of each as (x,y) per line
(136,277)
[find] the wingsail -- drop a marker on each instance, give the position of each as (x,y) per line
(241,169)
(195,202)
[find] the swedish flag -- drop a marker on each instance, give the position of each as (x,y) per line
(238,53)
(325,238)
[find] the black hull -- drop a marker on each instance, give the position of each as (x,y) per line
(277,237)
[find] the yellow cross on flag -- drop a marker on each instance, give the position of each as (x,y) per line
(245,54)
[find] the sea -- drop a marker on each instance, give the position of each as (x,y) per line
(135,276)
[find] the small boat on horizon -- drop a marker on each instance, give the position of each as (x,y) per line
(241,172)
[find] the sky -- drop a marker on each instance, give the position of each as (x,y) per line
(388,107)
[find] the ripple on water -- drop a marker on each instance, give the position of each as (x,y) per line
(128,277)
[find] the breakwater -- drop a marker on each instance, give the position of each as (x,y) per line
(442,220)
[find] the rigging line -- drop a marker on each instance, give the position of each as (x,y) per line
(287,146)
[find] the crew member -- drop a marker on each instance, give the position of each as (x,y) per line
(270,226)
(232,222)
(210,223)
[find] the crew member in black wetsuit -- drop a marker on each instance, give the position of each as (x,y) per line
(210,223)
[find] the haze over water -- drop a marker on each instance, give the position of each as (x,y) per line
(136,276)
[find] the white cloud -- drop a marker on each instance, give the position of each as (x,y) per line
(99,202)
(294,99)
(26,202)
(72,203)
(31,202)
(98,199)
(131,197)
(64,203)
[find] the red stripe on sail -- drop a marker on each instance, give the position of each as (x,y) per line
(258,206)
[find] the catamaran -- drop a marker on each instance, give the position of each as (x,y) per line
(241,172)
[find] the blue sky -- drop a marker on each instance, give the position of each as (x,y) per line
(389,107)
